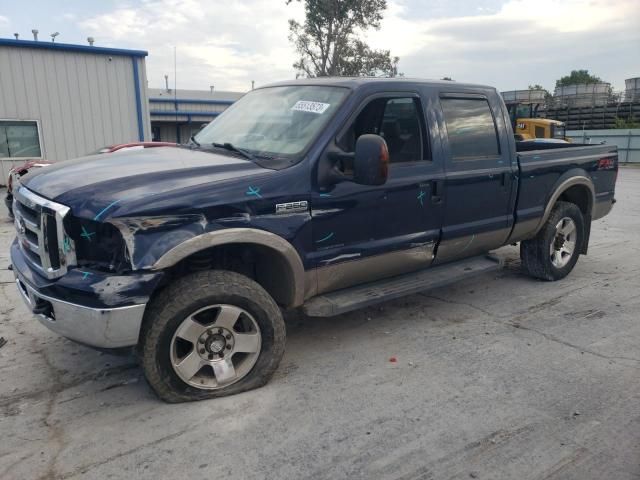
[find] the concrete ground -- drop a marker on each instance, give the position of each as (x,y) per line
(498,377)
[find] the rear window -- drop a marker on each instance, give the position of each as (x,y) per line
(470,127)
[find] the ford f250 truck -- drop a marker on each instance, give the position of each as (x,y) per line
(326,194)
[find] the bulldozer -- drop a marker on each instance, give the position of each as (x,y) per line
(527,125)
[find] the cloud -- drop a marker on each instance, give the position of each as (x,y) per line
(521,43)
(226,44)
(506,43)
(4,20)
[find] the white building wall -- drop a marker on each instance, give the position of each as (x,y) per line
(81,101)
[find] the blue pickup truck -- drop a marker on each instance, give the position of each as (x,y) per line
(323,194)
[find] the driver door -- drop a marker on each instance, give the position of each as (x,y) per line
(362,233)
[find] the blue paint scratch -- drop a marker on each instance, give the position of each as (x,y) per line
(325,238)
(253,192)
(421,196)
(105,209)
(325,194)
(86,234)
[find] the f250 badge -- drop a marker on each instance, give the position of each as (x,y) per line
(292,207)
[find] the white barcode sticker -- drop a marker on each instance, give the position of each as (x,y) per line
(313,107)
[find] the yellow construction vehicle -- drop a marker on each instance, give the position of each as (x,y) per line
(526,125)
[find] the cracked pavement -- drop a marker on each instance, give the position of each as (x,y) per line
(497,377)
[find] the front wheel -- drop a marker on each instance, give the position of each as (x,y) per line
(211,334)
(554,251)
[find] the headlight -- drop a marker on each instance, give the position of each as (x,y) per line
(98,245)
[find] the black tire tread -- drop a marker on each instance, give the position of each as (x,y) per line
(534,254)
(178,296)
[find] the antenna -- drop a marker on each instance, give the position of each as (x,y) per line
(54,35)
(90,40)
(253,83)
(211,87)
(166,82)
(35,34)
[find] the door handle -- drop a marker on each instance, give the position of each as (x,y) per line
(437,189)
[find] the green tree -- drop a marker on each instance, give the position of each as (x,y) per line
(626,123)
(328,44)
(577,77)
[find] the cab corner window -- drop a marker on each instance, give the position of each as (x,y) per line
(399,121)
(19,139)
(470,127)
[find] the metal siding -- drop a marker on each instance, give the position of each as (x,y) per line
(94,100)
(82,101)
(128,106)
(7,85)
(67,100)
(144,97)
(627,140)
(42,108)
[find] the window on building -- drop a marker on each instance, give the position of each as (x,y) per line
(539,132)
(470,127)
(19,139)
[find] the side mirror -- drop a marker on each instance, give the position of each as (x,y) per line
(371,161)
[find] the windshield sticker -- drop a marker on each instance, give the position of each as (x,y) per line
(312,107)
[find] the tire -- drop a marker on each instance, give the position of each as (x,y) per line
(191,323)
(544,256)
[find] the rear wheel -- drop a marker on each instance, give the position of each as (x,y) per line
(211,334)
(554,251)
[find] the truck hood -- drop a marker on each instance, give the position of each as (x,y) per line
(87,184)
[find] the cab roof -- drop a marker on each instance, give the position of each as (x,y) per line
(357,82)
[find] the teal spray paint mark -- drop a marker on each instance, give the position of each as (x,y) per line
(325,238)
(86,234)
(255,192)
(66,245)
(421,196)
(101,212)
(84,274)
(325,195)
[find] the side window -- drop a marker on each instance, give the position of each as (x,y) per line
(470,127)
(399,121)
(539,132)
(19,139)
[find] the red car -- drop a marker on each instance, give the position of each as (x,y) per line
(16,172)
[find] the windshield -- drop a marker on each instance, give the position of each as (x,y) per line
(558,131)
(275,122)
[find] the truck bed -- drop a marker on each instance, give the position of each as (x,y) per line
(543,167)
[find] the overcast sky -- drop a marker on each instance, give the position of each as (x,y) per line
(509,44)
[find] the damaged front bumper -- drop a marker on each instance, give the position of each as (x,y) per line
(90,307)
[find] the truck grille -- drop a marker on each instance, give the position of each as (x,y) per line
(41,235)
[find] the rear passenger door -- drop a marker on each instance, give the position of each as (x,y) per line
(408,219)
(478,210)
